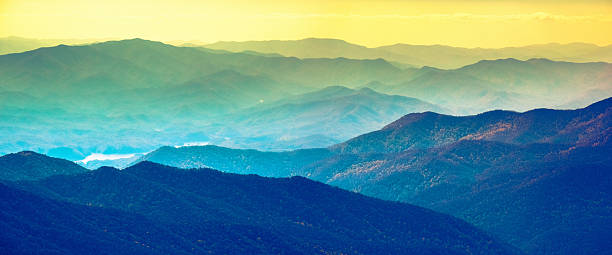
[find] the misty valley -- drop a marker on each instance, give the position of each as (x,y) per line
(307,146)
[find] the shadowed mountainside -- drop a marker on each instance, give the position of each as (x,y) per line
(494,170)
(207,210)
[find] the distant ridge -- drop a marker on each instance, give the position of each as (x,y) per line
(441,56)
(446,57)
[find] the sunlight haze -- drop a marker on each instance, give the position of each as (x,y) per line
(472,23)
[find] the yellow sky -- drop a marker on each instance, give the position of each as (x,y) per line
(471,23)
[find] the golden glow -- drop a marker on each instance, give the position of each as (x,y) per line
(472,23)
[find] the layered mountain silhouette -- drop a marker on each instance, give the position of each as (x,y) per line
(137,95)
(142,63)
(536,179)
(150,208)
(321,147)
(439,56)
(139,89)
(405,55)
(509,84)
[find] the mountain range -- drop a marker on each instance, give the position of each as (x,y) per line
(507,84)
(132,96)
(310,146)
(536,179)
(141,89)
(154,209)
(402,55)
(438,56)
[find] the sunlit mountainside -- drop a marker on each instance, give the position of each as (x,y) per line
(542,173)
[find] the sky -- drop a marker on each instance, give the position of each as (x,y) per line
(468,23)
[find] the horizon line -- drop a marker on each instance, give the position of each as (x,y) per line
(179,42)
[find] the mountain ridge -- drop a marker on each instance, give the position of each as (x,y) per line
(29,165)
(447,57)
(497,125)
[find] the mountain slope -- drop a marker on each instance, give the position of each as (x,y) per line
(517,76)
(508,84)
(537,179)
(28,165)
(517,192)
(32,224)
(583,127)
(14,44)
(292,215)
(336,112)
(464,93)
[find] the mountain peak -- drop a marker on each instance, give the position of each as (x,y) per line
(412,118)
(134,42)
(28,154)
(501,60)
(149,164)
(367,90)
(107,168)
(29,165)
(334,89)
(318,39)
